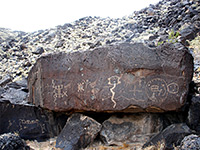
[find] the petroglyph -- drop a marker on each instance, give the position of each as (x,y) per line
(157,89)
(81,87)
(173,88)
(114,81)
(59,91)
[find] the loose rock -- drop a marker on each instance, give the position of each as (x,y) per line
(190,142)
(11,141)
(170,136)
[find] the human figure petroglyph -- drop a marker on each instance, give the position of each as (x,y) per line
(81,87)
(59,91)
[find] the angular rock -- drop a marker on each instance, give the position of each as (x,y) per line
(193,118)
(130,129)
(29,121)
(6,79)
(122,77)
(190,142)
(38,50)
(78,132)
(14,95)
(170,136)
(11,141)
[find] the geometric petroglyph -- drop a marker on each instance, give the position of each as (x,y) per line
(81,87)
(173,88)
(157,89)
(59,91)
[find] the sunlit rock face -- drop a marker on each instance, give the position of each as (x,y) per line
(116,78)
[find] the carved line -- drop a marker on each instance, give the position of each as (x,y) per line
(114,86)
(176,88)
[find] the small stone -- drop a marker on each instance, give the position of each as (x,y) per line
(150,11)
(14,95)
(190,142)
(38,50)
(6,79)
(10,141)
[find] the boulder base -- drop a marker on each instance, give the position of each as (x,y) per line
(130,129)
(116,78)
(78,132)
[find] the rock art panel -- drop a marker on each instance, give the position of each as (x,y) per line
(121,77)
(29,122)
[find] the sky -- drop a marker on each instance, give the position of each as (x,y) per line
(33,15)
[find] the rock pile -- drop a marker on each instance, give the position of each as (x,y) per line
(170,26)
(150,25)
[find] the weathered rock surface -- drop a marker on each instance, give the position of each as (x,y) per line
(29,122)
(11,141)
(130,129)
(122,77)
(193,118)
(190,142)
(170,136)
(78,132)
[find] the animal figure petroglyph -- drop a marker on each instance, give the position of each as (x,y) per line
(113,81)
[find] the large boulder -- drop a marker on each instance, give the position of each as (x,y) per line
(122,77)
(29,122)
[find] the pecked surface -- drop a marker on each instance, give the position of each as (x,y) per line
(115,78)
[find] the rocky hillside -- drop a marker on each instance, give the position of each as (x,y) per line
(174,20)
(169,21)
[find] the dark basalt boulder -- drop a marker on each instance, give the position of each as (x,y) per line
(10,141)
(78,132)
(190,142)
(30,122)
(193,118)
(116,78)
(170,136)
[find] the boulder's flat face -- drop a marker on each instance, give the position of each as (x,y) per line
(116,78)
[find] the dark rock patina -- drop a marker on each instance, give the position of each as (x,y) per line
(133,128)
(122,77)
(78,132)
(10,141)
(29,122)
(170,136)
(193,118)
